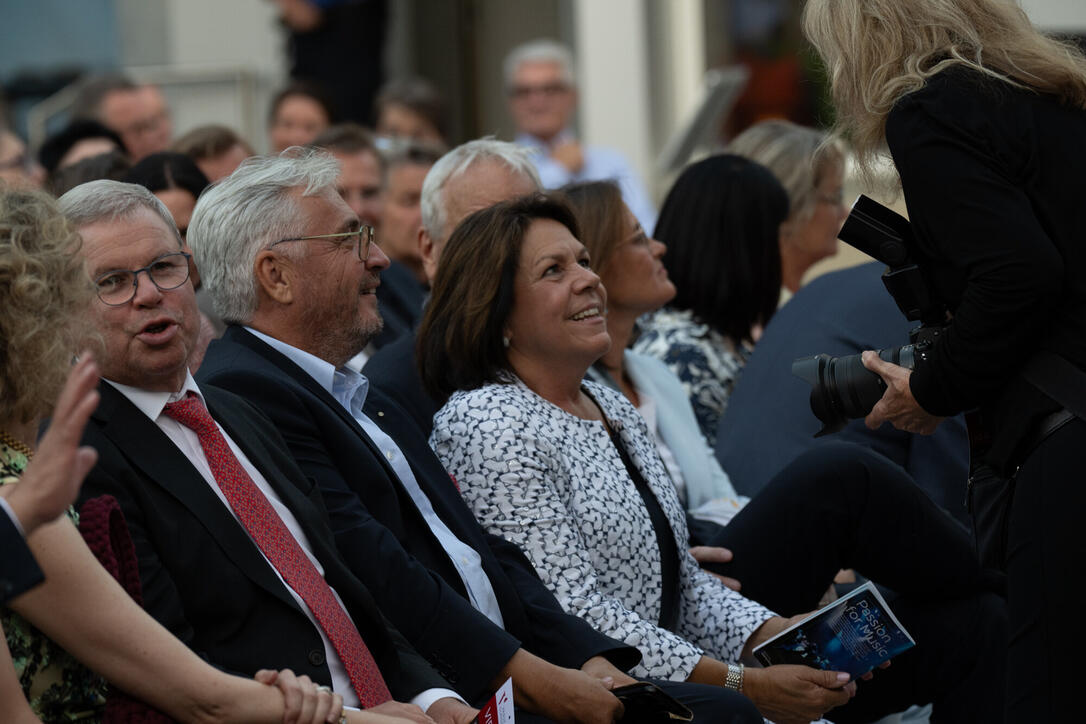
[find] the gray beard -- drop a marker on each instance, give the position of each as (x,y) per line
(338,345)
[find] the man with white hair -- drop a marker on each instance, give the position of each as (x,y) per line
(469,602)
(470,177)
(539,81)
(236,557)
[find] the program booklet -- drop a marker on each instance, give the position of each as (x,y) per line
(855,634)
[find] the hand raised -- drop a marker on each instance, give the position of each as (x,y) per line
(569,154)
(51,481)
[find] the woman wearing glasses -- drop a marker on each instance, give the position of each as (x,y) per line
(812,172)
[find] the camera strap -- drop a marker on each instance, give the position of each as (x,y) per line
(1059,379)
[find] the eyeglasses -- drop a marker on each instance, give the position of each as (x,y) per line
(167,272)
(365,235)
(549,90)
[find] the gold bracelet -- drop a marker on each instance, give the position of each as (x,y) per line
(734,678)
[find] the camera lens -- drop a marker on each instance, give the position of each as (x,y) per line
(842,388)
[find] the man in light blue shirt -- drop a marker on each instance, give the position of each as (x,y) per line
(542,100)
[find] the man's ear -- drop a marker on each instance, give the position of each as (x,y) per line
(275,277)
(426,251)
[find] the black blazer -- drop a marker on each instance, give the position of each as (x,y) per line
(18,569)
(400,298)
(203,578)
(371,511)
(992,176)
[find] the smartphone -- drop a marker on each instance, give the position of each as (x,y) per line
(647,703)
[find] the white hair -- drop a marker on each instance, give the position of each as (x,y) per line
(106,200)
(543,50)
(797,155)
(456,162)
(245,213)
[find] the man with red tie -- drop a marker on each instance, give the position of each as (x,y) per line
(235,554)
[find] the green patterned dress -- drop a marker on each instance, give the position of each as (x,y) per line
(58,687)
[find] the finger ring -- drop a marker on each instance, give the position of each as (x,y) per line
(324,688)
(342,719)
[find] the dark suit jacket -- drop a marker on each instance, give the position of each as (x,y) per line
(203,577)
(18,569)
(400,298)
(379,528)
(394,372)
(769,421)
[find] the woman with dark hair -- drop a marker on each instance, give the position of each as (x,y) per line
(568,470)
(412,109)
(217,150)
(175,179)
(721,221)
(297,115)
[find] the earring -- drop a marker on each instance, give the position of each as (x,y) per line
(505,342)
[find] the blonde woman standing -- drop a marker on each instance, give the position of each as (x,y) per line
(985,118)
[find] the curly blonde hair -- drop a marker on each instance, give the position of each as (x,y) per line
(877,51)
(44,288)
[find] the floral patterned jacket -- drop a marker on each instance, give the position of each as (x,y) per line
(705,361)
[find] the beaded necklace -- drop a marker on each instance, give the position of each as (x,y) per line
(18,447)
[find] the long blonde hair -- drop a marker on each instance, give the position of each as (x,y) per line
(877,51)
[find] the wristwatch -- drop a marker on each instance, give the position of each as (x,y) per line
(734,678)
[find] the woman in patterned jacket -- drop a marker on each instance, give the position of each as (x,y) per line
(568,470)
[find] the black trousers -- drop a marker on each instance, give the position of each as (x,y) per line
(844,506)
(1045,554)
(709,704)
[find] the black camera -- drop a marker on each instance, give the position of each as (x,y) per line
(841,387)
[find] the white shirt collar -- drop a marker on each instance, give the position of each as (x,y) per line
(347,386)
(152,403)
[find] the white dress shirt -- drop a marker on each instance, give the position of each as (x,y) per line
(349,388)
(152,404)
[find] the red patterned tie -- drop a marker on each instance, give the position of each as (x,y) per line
(279,546)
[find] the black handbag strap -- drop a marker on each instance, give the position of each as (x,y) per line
(1059,379)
